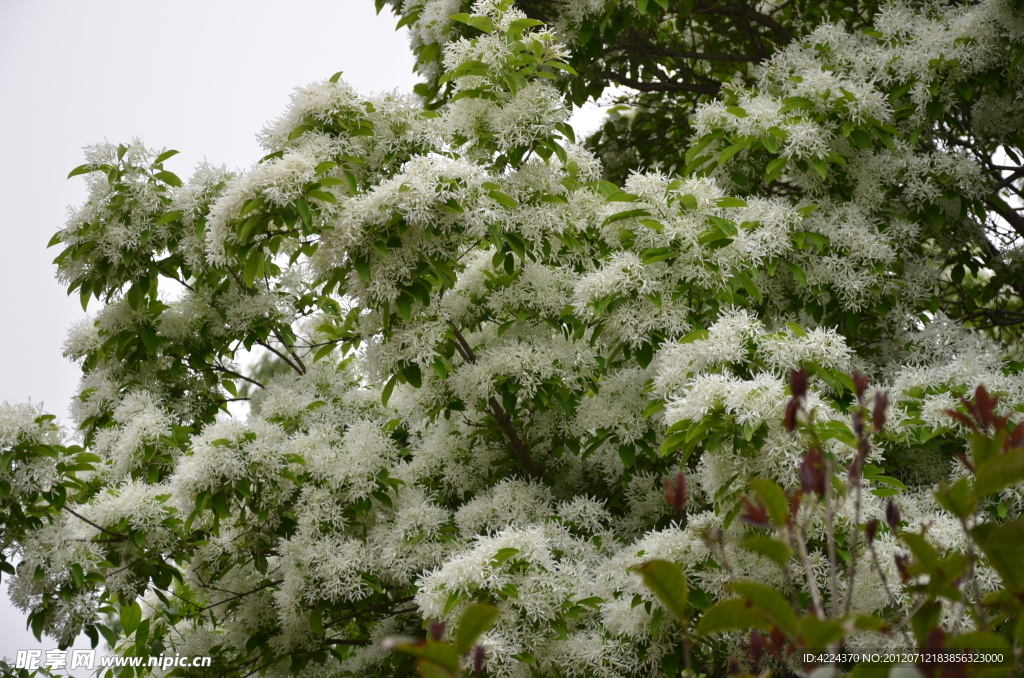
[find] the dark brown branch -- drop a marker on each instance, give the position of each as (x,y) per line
(118,537)
(238,595)
(710,89)
(700,56)
(220,368)
(519,448)
(298,360)
(280,355)
(1009,215)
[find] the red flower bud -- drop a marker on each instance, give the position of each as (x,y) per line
(478,660)
(812,473)
(856,466)
(984,406)
(1015,439)
(794,503)
(892,515)
(871,529)
(878,414)
(858,423)
(755,514)
(675,492)
(798,383)
(860,383)
(792,410)
(757,646)
(903,566)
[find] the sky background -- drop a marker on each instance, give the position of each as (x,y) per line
(199,77)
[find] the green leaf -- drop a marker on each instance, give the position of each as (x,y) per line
(82,169)
(483,23)
(619,216)
(668,583)
(316,624)
(168,178)
(362,266)
(793,103)
(657,254)
(729,615)
(474,622)
(774,498)
(750,286)
(323,196)
(821,166)
(774,169)
(404,304)
(820,633)
(503,199)
(1003,545)
(413,375)
(958,498)
(797,272)
(773,549)
(77,574)
(731,151)
(250,205)
(299,131)
(302,207)
(730,201)
(562,67)
(771,603)
(440,654)
(164,156)
(169,217)
(981,641)
(696,335)
(252,266)
(653,408)
(131,615)
(520,25)
(999,472)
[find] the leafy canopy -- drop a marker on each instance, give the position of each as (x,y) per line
(423,362)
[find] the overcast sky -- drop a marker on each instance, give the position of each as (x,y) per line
(199,77)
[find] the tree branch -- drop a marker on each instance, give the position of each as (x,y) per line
(519,448)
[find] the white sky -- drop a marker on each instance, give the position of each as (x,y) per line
(199,77)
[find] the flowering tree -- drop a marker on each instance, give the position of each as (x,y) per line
(605,422)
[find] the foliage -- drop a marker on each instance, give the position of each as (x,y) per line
(480,374)
(665,59)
